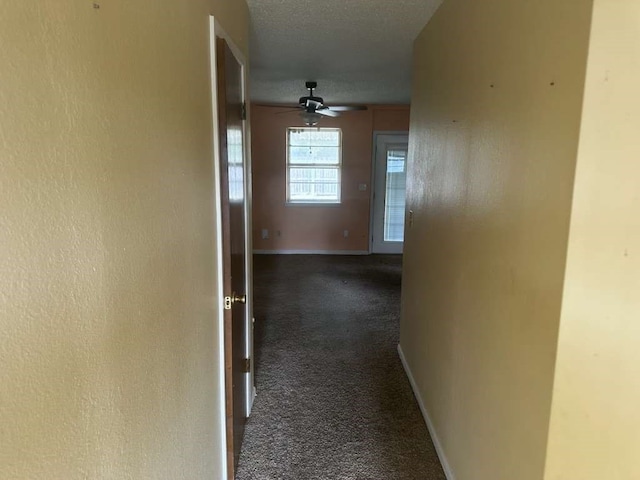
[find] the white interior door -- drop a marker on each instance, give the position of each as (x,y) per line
(389,193)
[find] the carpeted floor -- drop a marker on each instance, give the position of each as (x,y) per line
(333,400)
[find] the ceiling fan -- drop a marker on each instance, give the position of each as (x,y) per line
(313,108)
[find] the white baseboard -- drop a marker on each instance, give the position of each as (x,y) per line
(311,252)
(434,436)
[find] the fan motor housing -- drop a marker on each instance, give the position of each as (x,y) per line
(314,102)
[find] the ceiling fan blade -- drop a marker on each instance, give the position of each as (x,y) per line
(347,108)
(312,102)
(288,111)
(327,112)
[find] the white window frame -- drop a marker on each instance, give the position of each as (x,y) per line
(338,167)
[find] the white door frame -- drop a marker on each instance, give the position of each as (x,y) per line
(373,188)
(215,30)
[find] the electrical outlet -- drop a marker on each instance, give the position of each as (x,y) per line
(346,233)
(265,233)
(362,187)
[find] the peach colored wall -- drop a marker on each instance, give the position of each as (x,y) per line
(315,227)
(391,119)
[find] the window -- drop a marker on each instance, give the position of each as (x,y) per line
(314,157)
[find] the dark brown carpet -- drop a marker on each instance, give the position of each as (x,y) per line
(333,400)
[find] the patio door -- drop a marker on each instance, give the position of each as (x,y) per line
(389,193)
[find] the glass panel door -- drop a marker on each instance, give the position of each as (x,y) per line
(389,193)
(395,193)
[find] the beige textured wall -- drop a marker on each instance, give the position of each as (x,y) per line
(107,314)
(315,227)
(595,421)
(494,132)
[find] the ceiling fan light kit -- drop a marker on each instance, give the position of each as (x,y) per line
(313,108)
(310,119)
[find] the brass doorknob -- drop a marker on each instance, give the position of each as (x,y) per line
(235,298)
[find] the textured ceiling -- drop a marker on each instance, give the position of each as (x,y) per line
(359,51)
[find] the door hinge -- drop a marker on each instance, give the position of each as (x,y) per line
(228,301)
(243,111)
(246,365)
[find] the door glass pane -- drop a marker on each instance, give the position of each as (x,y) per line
(395,192)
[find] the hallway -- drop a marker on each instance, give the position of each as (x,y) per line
(333,400)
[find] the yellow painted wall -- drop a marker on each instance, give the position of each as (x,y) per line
(495,120)
(107,308)
(595,421)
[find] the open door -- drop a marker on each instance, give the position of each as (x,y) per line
(389,193)
(233,188)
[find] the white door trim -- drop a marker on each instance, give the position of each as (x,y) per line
(376,135)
